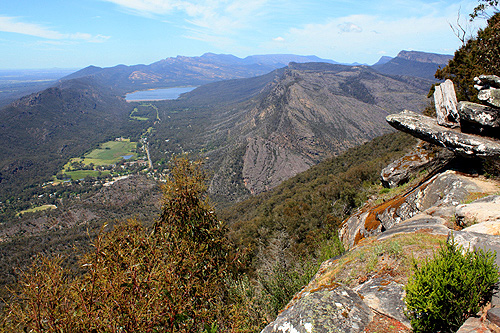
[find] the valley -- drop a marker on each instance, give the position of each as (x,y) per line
(291,151)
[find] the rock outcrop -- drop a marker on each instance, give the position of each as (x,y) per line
(427,129)
(446,204)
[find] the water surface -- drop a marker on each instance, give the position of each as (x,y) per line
(157,94)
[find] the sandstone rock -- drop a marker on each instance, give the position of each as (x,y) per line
(487,81)
(421,157)
(473,325)
(420,222)
(483,213)
(334,309)
(490,96)
(437,195)
(445,101)
(470,241)
(479,119)
(386,296)
(427,129)
(493,315)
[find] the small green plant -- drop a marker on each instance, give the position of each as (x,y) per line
(448,289)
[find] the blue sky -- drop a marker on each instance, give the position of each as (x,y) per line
(78,33)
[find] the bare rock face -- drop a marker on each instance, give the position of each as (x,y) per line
(427,129)
(335,309)
(490,96)
(482,215)
(479,119)
(386,296)
(422,157)
(488,86)
(405,213)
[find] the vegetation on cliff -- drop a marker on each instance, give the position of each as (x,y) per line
(479,55)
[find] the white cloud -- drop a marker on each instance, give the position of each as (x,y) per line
(335,39)
(13,25)
(279,39)
(147,6)
(349,27)
(207,19)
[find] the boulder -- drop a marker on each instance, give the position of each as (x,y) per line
(487,81)
(490,96)
(385,296)
(437,195)
(483,215)
(427,129)
(334,309)
(423,156)
(479,119)
(445,101)
(420,222)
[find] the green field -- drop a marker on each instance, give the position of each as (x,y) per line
(80,174)
(108,153)
(36,209)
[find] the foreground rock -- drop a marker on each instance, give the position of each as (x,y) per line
(334,309)
(479,119)
(427,206)
(427,129)
(423,156)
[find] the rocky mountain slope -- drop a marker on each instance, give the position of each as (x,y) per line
(414,63)
(289,120)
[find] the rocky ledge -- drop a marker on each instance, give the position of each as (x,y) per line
(363,290)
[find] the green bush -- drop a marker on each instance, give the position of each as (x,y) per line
(448,289)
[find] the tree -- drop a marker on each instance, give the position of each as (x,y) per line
(173,279)
(480,55)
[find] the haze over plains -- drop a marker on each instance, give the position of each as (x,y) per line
(75,34)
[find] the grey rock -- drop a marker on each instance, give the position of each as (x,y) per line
(335,309)
(420,222)
(427,129)
(445,101)
(386,296)
(473,325)
(447,189)
(423,156)
(487,81)
(490,96)
(484,213)
(471,241)
(439,194)
(493,315)
(479,119)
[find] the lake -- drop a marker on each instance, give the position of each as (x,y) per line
(157,94)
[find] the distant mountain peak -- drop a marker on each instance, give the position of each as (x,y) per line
(432,58)
(383,60)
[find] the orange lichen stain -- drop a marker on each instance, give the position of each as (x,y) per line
(359,236)
(345,314)
(372,222)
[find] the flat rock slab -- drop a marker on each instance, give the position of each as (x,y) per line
(335,309)
(427,129)
(385,296)
(473,325)
(483,214)
(493,315)
(420,222)
(479,114)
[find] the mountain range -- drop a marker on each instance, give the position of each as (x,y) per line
(257,122)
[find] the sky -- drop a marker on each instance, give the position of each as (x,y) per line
(105,33)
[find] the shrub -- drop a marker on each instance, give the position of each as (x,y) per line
(448,289)
(174,279)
